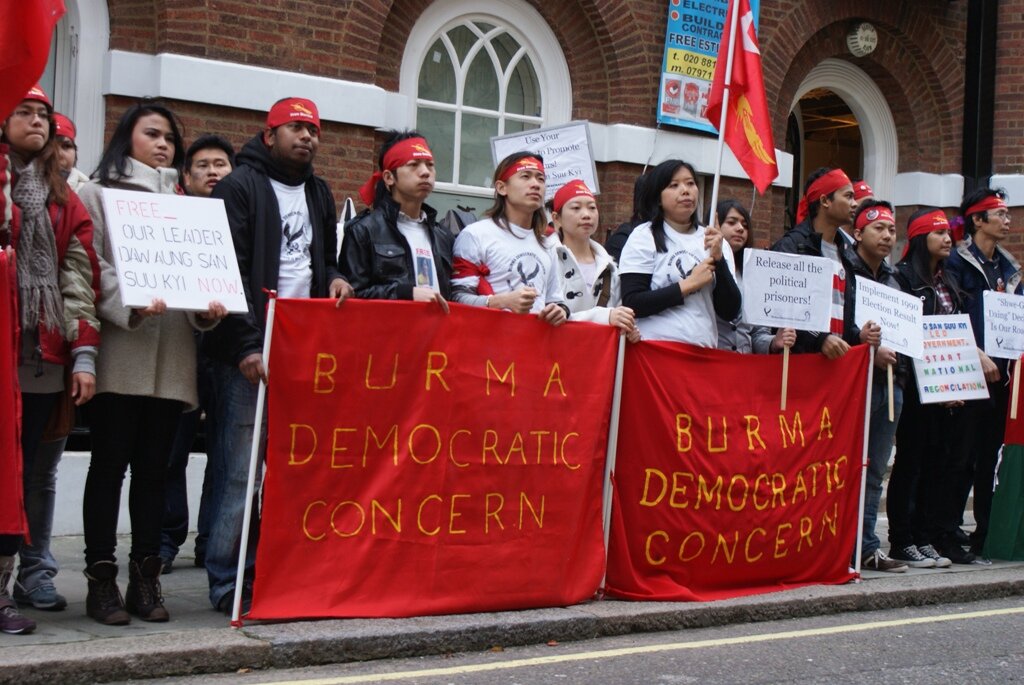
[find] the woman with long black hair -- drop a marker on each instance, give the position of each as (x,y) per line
(147,376)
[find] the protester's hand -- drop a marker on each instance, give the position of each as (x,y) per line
(83,387)
(422,293)
(340,290)
(623,318)
(988,367)
(885,357)
(834,347)
(519,301)
(784,337)
(553,314)
(871,333)
(700,276)
(634,336)
(953,404)
(155,308)
(713,242)
(215,312)
(252,368)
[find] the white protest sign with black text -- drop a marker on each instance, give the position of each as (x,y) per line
(566,150)
(173,247)
(898,313)
(950,368)
(787,291)
(1004,325)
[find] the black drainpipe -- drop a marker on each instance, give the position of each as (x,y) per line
(979,92)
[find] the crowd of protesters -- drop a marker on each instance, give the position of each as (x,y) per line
(143,375)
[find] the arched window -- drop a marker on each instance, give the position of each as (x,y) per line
(475,70)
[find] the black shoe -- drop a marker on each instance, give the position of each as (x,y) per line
(104,602)
(956,554)
(144,597)
(168,566)
(226,605)
(962,538)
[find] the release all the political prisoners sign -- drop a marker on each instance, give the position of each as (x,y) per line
(1004,325)
(566,149)
(950,368)
(173,247)
(787,291)
(898,313)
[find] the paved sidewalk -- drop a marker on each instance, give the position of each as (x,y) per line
(68,647)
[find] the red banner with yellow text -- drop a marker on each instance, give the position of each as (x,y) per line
(419,463)
(718,493)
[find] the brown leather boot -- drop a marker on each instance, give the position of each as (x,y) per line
(144,597)
(104,602)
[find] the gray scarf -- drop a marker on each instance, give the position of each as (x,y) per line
(36,250)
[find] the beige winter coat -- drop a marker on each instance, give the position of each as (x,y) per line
(151,357)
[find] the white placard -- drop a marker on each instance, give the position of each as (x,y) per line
(174,247)
(951,368)
(898,313)
(566,149)
(783,290)
(1004,325)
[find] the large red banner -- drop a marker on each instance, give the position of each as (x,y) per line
(718,493)
(422,463)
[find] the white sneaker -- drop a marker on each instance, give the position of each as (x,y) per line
(910,556)
(880,562)
(932,553)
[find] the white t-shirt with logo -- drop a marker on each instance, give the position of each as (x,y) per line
(514,258)
(295,274)
(694,321)
(416,234)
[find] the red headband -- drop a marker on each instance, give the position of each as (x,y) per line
(523,164)
(37,93)
(399,154)
(924,224)
(824,185)
(861,190)
(870,216)
(990,202)
(293,109)
(571,190)
(65,127)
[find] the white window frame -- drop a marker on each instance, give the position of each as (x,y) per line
(526,26)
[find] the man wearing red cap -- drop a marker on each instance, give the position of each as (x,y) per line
(282,220)
(826,206)
(395,250)
(980,263)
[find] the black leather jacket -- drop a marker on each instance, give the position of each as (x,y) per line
(376,258)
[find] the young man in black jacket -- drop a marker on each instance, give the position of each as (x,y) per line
(395,250)
(282,221)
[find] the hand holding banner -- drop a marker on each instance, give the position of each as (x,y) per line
(898,313)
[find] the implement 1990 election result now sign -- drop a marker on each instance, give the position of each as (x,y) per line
(173,247)
(695,29)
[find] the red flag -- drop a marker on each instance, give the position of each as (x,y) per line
(25,34)
(748,126)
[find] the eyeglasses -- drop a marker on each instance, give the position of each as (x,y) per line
(29,114)
(1001,215)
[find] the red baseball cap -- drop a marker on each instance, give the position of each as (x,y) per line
(293,109)
(65,127)
(38,94)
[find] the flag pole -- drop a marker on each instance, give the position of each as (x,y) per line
(864,465)
(734,11)
(254,453)
(612,451)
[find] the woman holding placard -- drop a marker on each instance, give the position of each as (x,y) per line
(146,377)
(925,476)
(57,278)
(676,276)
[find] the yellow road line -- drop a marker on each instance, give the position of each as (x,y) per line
(648,649)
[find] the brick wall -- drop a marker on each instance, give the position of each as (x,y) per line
(613,49)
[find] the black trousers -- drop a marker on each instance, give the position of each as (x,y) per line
(133,431)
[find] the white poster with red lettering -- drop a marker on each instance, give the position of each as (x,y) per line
(172,247)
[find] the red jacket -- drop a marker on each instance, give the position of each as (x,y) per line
(79,277)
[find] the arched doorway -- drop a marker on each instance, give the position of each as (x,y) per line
(839,117)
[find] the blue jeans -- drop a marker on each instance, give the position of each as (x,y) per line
(234,412)
(37,563)
(881,432)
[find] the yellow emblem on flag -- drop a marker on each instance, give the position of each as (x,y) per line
(746,116)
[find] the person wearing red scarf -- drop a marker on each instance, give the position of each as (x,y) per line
(827,205)
(395,249)
(980,263)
